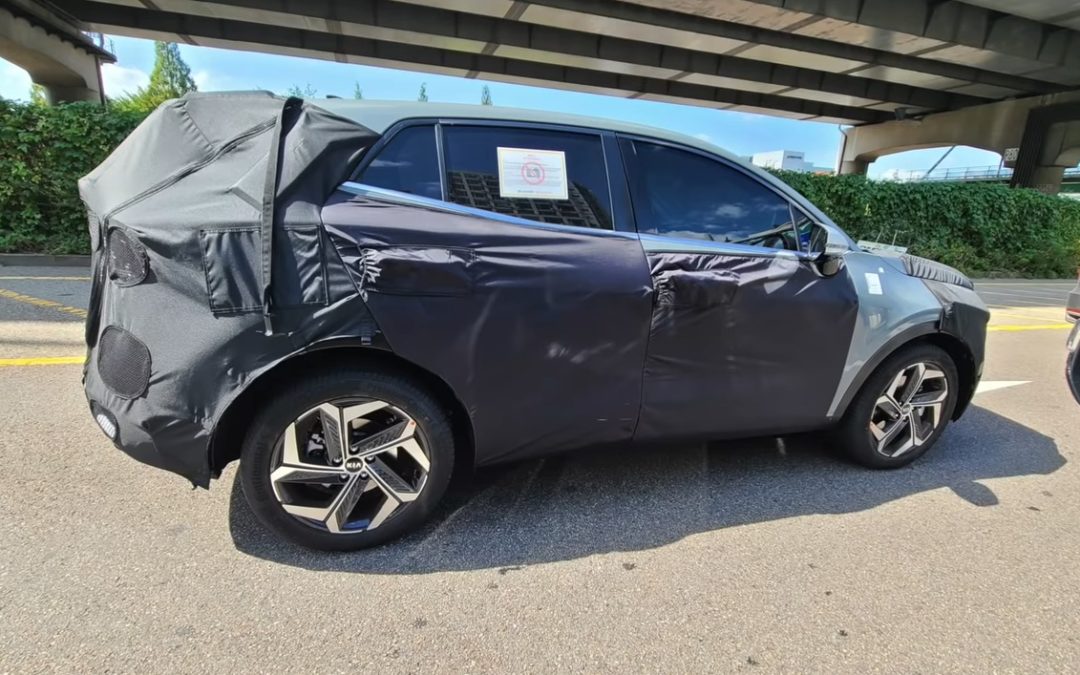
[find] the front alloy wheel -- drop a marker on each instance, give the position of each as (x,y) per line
(902,408)
(910,409)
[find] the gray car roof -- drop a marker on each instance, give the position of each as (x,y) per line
(381,115)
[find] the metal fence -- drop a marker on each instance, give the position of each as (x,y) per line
(967,173)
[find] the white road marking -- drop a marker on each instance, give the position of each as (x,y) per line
(991,385)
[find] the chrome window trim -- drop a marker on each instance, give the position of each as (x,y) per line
(407,199)
(658,243)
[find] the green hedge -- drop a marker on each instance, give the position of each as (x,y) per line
(43,152)
(984,229)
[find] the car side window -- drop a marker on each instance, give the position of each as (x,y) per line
(407,163)
(683,194)
(569,176)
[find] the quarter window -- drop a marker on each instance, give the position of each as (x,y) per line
(407,163)
(578,181)
(683,194)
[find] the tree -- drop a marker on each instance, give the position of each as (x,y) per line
(485,95)
(423,92)
(357,92)
(37,95)
(307,92)
(170,78)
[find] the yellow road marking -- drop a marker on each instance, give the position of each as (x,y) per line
(44,361)
(41,302)
(1015,315)
(32,278)
(1009,328)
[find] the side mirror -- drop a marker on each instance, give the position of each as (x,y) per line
(828,248)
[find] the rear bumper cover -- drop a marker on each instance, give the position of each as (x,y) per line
(166,440)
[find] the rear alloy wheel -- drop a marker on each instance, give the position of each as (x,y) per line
(365,458)
(381,467)
(902,408)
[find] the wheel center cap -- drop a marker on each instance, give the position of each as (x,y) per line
(906,410)
(354,464)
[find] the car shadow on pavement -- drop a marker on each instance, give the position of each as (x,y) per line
(627,499)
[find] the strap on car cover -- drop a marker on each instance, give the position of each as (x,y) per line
(273,164)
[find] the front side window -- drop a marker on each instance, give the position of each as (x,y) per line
(547,176)
(408,162)
(682,194)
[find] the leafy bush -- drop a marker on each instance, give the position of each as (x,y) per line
(43,152)
(984,229)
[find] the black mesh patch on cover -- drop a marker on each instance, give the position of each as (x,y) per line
(123,362)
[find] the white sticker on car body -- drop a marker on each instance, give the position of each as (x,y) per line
(532,174)
(873,283)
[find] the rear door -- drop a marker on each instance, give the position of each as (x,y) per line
(530,297)
(746,336)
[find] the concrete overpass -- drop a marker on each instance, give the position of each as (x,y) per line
(989,65)
(49,45)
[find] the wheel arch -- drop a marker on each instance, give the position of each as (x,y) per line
(227,436)
(966,367)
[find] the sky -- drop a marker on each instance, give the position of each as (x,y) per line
(738,132)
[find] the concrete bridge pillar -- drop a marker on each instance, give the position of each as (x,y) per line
(53,51)
(1039,136)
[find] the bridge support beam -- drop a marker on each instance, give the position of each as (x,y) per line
(53,51)
(1039,135)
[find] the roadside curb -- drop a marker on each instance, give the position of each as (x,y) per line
(43,260)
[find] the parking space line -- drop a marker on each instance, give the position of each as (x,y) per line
(42,278)
(1020,315)
(42,302)
(1009,328)
(44,361)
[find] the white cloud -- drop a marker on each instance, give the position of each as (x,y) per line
(121,80)
(14,82)
(206,80)
(203,80)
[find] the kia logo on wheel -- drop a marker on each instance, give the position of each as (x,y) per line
(354,464)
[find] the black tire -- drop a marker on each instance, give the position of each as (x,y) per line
(853,432)
(433,429)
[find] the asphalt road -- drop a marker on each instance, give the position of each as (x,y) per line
(755,556)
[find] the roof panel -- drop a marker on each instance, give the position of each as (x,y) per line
(1050,11)
(739,11)
(867,36)
(986,90)
(893,107)
(791,57)
(908,77)
(574,61)
(632,30)
(984,59)
(731,83)
(828,97)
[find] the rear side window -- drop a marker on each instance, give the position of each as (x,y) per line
(407,163)
(683,194)
(491,167)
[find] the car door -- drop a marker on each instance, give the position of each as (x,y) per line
(747,336)
(518,288)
